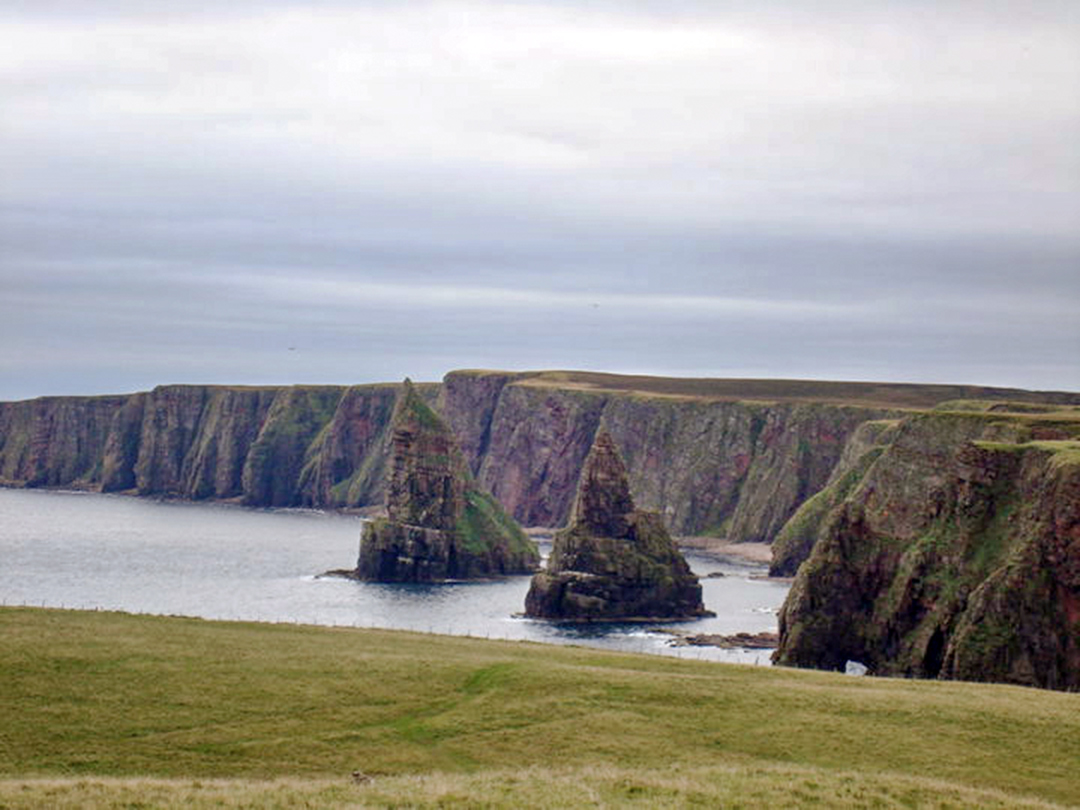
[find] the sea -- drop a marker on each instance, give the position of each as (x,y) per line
(92,551)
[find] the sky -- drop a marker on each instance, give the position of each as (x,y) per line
(276,192)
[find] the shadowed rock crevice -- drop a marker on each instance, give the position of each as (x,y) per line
(613,562)
(439,526)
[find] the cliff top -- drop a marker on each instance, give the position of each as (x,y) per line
(1031,411)
(909,396)
(916,396)
(430,387)
(1063,452)
(1052,423)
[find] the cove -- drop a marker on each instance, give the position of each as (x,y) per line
(216,561)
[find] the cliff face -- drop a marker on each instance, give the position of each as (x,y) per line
(439,526)
(55,441)
(708,466)
(613,562)
(957,555)
(346,463)
(288,446)
(538,441)
(280,452)
(730,458)
(796,539)
(467,401)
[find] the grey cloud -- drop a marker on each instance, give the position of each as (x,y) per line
(880,190)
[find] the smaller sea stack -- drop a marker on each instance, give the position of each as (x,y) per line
(613,563)
(439,526)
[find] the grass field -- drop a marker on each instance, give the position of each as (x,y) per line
(112,710)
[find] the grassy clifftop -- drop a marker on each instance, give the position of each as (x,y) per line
(117,710)
(870,394)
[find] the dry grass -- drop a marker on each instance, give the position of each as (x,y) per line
(592,787)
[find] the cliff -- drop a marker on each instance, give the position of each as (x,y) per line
(319,446)
(726,458)
(439,526)
(732,458)
(933,529)
(613,562)
(955,555)
(796,539)
(708,465)
(56,441)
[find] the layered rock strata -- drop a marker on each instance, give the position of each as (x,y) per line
(439,525)
(956,555)
(613,562)
(725,458)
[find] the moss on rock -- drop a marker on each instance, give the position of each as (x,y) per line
(440,526)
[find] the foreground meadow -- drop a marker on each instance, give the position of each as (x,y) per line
(114,710)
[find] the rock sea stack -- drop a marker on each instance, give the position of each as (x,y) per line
(439,525)
(613,562)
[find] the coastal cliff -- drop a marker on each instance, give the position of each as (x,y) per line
(317,446)
(708,463)
(933,531)
(955,555)
(723,458)
(796,539)
(56,441)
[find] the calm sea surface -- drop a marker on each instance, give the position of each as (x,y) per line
(82,550)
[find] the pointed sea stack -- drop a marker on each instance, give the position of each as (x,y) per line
(613,562)
(439,526)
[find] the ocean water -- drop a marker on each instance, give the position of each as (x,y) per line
(93,551)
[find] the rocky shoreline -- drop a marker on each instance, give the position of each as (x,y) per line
(743,641)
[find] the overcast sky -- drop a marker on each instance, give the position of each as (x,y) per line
(341,192)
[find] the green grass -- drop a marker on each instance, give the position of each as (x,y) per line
(1063,453)
(115,710)
(414,407)
(484,521)
(1030,407)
